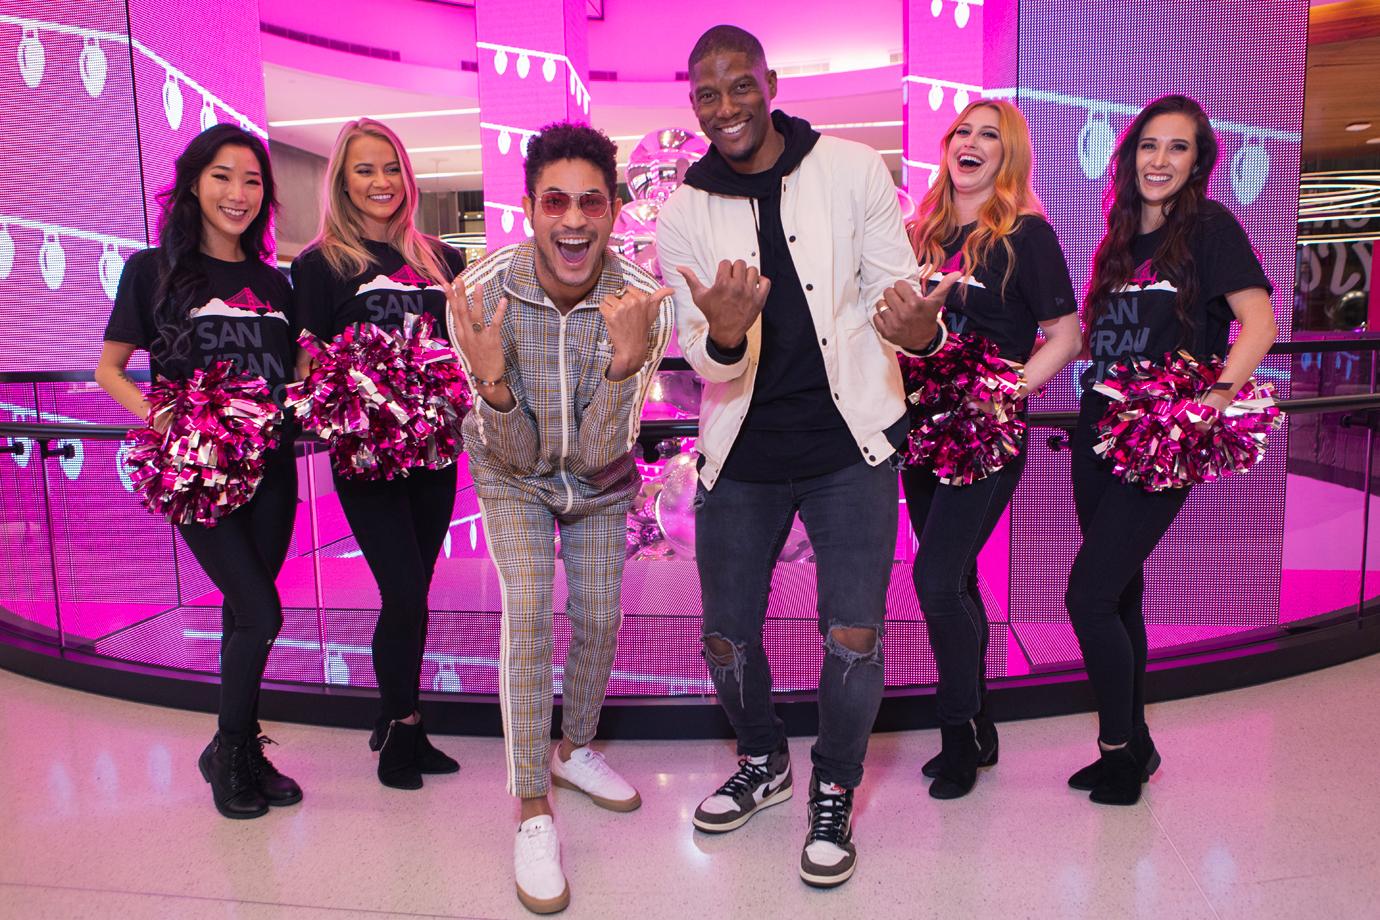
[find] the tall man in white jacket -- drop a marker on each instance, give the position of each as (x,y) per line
(794,287)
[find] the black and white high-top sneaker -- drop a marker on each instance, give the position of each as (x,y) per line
(829,856)
(759,782)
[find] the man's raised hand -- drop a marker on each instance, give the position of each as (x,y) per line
(732,303)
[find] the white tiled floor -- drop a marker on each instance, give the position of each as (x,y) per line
(1266,807)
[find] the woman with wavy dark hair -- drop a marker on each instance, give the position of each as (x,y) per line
(207,293)
(1172,273)
(982,219)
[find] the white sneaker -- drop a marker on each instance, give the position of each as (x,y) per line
(588,772)
(541,885)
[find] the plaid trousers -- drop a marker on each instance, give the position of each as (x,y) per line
(521,541)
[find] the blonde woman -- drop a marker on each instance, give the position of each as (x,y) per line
(982,219)
(370,264)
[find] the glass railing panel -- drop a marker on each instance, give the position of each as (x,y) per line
(28,597)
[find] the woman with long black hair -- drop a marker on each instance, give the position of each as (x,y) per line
(982,219)
(1173,272)
(370,264)
(204,294)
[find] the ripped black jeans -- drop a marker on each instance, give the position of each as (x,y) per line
(740,529)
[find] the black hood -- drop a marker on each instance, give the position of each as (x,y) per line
(711,173)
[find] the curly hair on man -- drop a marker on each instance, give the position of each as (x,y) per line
(565,140)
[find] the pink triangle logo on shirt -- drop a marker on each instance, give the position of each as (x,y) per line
(246,300)
(406,275)
(1145,274)
(953,263)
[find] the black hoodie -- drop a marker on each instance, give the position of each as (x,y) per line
(793,429)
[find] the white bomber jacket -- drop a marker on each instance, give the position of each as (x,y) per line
(842,220)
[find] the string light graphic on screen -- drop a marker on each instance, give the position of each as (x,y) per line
(92,68)
(962,10)
(52,257)
(523,66)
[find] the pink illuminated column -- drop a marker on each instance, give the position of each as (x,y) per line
(533,70)
(955,51)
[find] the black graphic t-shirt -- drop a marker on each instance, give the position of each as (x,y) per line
(1140,321)
(386,292)
(1038,290)
(245,314)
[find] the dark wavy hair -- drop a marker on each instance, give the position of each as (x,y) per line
(565,140)
(181,271)
(1112,263)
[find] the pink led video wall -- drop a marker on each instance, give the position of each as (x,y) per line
(1084,71)
(97,100)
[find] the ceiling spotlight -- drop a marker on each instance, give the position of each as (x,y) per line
(1373,140)
(1358,126)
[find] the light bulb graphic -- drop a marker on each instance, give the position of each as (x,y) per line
(71,466)
(522,145)
(936,8)
(121,468)
(524,66)
(960,100)
(337,670)
(526,226)
(1095,142)
(506,221)
(447,680)
(92,67)
(31,58)
(936,96)
(501,62)
(505,142)
(474,536)
(6,252)
(172,102)
(52,261)
(208,113)
(961,13)
(109,269)
(548,69)
(1249,169)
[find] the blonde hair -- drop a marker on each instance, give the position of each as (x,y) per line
(341,235)
(1012,198)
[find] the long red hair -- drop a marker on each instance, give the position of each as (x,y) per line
(1012,198)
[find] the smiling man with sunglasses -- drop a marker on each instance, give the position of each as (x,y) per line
(561,338)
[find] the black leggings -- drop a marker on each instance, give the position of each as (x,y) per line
(400,525)
(952,523)
(1121,524)
(243,554)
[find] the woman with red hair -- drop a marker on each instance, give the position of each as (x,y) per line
(982,220)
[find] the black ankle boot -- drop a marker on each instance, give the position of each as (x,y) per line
(226,767)
(988,746)
(398,756)
(1141,745)
(276,788)
(958,762)
(430,759)
(1120,780)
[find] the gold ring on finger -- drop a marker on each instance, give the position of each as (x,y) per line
(477,327)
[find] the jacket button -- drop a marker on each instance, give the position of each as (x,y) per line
(792,239)
(809,287)
(824,341)
(836,396)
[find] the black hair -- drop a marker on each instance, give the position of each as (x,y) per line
(566,140)
(1112,263)
(727,39)
(181,271)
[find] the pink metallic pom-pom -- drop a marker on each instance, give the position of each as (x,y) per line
(210,461)
(385,402)
(965,410)
(1158,433)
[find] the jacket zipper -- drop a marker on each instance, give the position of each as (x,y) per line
(565,420)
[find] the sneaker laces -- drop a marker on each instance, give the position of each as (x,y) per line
(241,766)
(539,844)
(829,816)
(596,762)
(748,776)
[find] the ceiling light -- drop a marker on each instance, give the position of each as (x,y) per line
(1358,126)
(387,116)
(1373,140)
